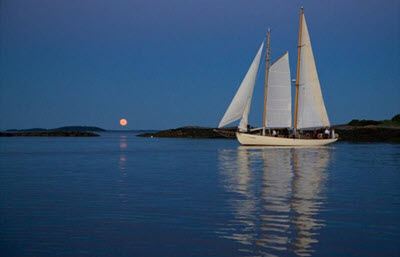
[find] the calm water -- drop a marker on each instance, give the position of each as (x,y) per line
(120,195)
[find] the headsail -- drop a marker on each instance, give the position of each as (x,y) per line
(240,105)
(279,100)
(311,107)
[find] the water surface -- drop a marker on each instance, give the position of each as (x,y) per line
(121,195)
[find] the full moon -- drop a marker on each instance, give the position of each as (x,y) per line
(123,122)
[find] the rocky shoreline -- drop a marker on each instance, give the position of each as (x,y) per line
(370,133)
(188,132)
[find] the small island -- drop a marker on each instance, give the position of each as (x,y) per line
(355,131)
(68,131)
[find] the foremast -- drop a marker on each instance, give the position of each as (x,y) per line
(266,82)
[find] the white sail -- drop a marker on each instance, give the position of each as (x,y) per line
(311,107)
(240,105)
(279,100)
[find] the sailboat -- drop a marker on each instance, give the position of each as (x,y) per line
(309,113)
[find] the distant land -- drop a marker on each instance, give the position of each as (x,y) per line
(354,131)
(67,128)
(49,134)
(67,131)
(81,128)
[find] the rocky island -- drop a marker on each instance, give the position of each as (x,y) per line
(355,131)
(189,132)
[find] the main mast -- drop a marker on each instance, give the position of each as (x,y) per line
(266,82)
(298,71)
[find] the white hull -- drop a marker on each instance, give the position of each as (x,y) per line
(251,139)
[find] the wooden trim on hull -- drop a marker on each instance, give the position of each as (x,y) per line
(251,139)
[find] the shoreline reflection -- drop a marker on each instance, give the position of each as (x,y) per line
(274,195)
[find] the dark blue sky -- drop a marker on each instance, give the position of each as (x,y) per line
(163,64)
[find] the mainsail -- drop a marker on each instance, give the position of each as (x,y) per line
(240,105)
(279,100)
(311,107)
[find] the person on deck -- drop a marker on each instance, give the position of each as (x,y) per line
(327,133)
(333,133)
(314,133)
(274,133)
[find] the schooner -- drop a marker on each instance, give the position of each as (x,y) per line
(309,112)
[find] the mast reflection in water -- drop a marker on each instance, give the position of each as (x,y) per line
(275,196)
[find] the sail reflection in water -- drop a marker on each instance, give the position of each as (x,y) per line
(275,196)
